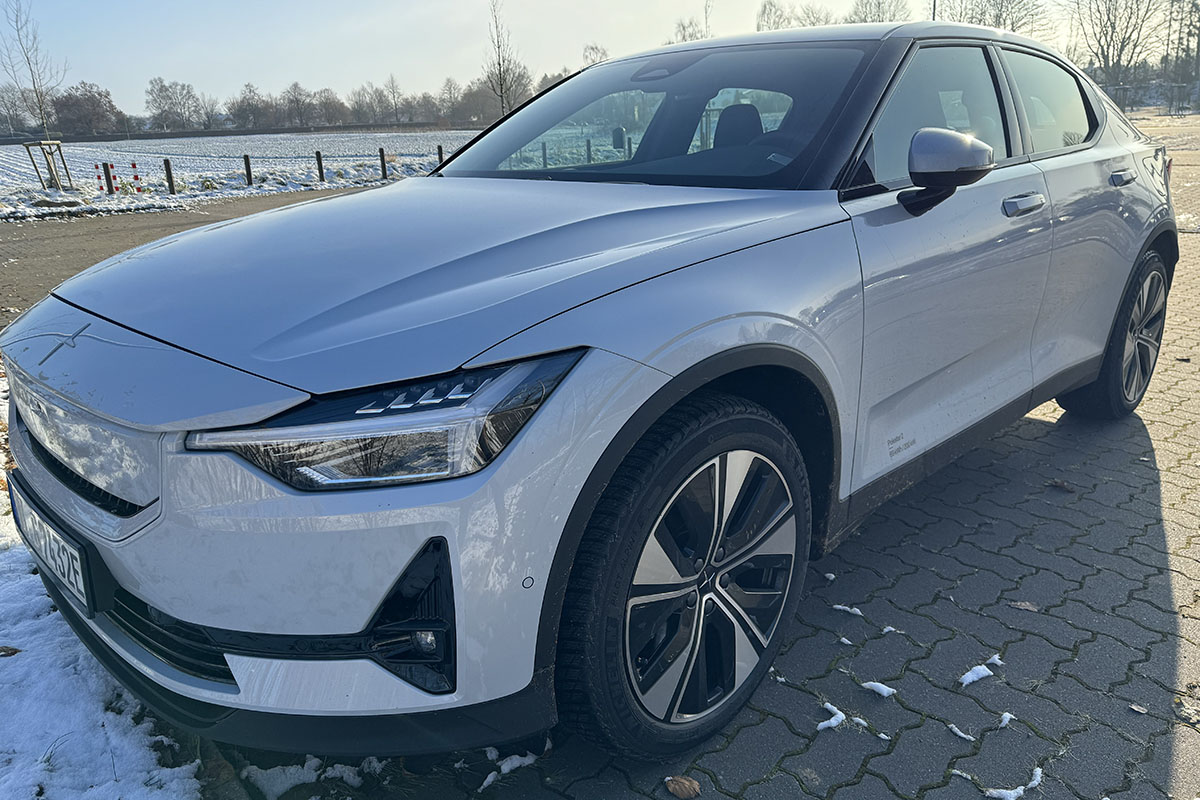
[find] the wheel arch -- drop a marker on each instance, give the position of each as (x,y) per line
(781,379)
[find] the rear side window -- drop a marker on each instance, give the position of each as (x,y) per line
(1053,101)
(943,87)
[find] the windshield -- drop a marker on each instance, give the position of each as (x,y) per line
(748,116)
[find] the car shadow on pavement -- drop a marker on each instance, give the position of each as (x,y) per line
(1042,555)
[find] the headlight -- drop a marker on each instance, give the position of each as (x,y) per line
(418,431)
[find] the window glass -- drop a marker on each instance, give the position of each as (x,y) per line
(605,131)
(1053,102)
(723,116)
(771,108)
(943,87)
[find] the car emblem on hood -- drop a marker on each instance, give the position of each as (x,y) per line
(63,341)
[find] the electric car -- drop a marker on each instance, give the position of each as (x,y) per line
(552,433)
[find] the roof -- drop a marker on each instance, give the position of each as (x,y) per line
(867,31)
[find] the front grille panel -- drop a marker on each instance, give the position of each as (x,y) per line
(183,646)
(106,501)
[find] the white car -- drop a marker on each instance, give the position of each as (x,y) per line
(551,434)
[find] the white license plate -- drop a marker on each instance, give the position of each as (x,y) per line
(63,559)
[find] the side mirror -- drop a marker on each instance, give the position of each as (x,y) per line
(618,138)
(941,160)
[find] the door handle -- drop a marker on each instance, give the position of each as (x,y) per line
(1122,177)
(1023,204)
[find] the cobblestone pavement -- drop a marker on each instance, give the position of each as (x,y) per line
(1069,548)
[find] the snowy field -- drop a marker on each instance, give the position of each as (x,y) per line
(210,167)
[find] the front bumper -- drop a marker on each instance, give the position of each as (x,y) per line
(525,713)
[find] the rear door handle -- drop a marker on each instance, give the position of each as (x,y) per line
(1023,204)
(1122,177)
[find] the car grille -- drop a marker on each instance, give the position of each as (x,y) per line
(184,646)
(88,491)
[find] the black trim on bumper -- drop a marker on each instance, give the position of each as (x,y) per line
(526,713)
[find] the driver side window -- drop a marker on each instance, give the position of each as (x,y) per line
(943,87)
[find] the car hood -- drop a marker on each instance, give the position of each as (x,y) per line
(417,278)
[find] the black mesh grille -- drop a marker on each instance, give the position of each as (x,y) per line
(88,491)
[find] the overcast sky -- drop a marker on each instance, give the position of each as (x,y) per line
(218,45)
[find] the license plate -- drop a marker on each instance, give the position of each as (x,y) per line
(64,559)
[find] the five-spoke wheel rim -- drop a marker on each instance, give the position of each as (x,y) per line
(710,587)
(1144,336)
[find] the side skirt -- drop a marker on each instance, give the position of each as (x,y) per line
(851,511)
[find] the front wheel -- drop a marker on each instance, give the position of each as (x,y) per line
(691,566)
(1132,349)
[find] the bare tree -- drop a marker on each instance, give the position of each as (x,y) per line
(173,105)
(813,14)
(394,95)
(36,75)
(1118,34)
(503,71)
(12,107)
(881,11)
(773,15)
(449,97)
(299,103)
(687,30)
(594,54)
(208,110)
(1031,17)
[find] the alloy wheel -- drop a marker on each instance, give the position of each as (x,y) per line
(1143,339)
(710,587)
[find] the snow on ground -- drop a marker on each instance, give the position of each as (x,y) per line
(66,730)
(837,719)
(211,167)
(975,673)
(879,688)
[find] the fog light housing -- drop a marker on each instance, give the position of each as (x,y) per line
(413,631)
(426,642)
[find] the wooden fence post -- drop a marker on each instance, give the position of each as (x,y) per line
(382,165)
(108,178)
(544,155)
(320,168)
(170,175)
(589,151)
(249,175)
(441,157)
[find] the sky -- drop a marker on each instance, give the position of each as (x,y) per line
(218,45)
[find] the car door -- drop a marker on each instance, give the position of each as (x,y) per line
(949,296)
(1098,225)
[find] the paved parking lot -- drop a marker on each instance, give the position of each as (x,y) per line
(1070,550)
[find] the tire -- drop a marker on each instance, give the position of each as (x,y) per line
(1132,349)
(653,585)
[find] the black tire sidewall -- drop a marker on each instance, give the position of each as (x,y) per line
(756,432)
(1114,378)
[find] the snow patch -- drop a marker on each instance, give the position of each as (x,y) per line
(510,763)
(975,673)
(878,688)
(959,733)
(829,576)
(995,661)
(888,629)
(277,781)
(488,781)
(859,721)
(1006,718)
(844,640)
(491,753)
(1014,794)
(837,719)
(848,610)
